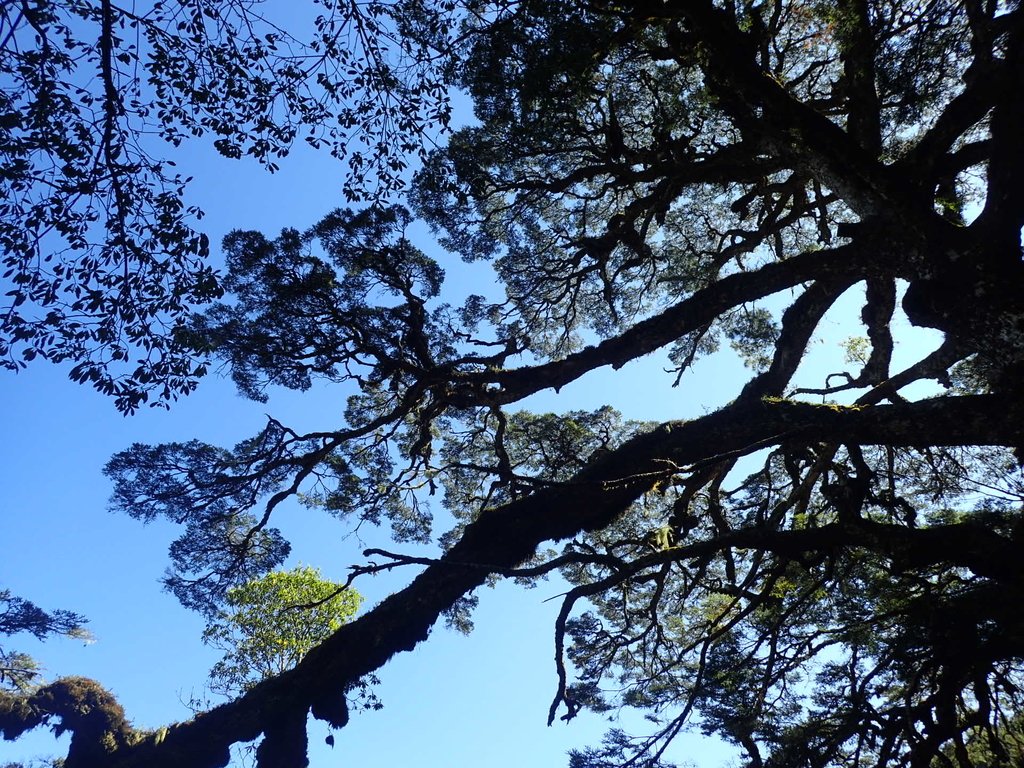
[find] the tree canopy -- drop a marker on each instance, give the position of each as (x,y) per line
(19,671)
(103,253)
(824,575)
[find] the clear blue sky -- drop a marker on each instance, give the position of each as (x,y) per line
(454,701)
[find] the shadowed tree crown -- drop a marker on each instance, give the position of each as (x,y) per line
(825,572)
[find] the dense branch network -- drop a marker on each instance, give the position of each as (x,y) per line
(821,584)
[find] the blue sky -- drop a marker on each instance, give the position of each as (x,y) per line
(454,701)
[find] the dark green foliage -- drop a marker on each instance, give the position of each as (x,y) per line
(19,615)
(295,316)
(209,491)
(616,744)
(533,450)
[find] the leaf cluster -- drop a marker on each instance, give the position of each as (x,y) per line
(268,624)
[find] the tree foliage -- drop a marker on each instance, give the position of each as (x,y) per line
(268,624)
(823,573)
(102,252)
(19,671)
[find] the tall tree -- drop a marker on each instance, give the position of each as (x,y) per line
(827,584)
(268,624)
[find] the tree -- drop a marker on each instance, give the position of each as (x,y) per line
(19,671)
(103,254)
(267,625)
(825,575)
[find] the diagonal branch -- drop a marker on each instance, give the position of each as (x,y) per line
(842,263)
(508,535)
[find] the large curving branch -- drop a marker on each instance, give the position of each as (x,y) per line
(848,262)
(504,537)
(1003,213)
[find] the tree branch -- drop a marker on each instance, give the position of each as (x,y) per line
(508,535)
(763,108)
(845,262)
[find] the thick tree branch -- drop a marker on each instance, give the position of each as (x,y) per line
(92,714)
(857,41)
(798,325)
(842,263)
(506,536)
(1004,202)
(964,111)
